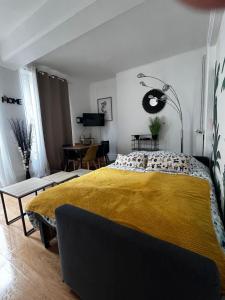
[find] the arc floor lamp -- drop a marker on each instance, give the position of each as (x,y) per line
(172,100)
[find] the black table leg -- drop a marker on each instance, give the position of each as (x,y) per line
(22,214)
(4,209)
(81,158)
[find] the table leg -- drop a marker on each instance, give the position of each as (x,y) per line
(4,209)
(8,222)
(66,164)
(81,159)
(22,214)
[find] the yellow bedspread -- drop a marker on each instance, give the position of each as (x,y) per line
(174,208)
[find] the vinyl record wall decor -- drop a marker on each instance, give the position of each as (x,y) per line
(152,101)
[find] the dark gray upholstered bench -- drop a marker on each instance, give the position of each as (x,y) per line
(102,260)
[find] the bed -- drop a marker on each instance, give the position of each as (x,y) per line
(182,202)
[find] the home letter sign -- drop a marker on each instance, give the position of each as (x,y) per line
(11,100)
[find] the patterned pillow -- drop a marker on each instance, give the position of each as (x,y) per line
(169,162)
(132,161)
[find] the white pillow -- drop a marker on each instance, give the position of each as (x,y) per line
(132,161)
(169,162)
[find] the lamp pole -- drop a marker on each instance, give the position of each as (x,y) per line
(174,103)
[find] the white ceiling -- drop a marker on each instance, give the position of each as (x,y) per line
(53,24)
(149,32)
(95,39)
(14,12)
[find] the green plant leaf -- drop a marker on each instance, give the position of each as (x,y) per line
(223,86)
(155,125)
(217,165)
(223,66)
(218,155)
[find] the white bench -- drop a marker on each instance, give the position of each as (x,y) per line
(20,190)
(62,176)
(33,185)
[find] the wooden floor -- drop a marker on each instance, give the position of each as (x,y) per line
(27,269)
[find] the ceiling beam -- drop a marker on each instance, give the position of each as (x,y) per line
(46,31)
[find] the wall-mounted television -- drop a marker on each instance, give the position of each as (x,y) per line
(93,120)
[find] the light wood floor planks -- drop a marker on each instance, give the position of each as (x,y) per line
(27,270)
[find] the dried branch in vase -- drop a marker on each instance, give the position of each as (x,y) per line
(23,136)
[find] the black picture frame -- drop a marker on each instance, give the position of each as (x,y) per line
(105,107)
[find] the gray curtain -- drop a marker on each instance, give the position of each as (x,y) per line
(55,111)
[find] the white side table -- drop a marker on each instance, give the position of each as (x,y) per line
(20,190)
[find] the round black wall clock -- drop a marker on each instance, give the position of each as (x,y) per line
(154,101)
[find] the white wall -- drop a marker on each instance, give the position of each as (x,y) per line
(79,103)
(103,89)
(10,86)
(216,55)
(209,99)
(83,99)
(184,73)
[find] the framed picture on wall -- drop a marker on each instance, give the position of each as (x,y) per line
(105,107)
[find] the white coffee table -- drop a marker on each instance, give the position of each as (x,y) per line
(20,190)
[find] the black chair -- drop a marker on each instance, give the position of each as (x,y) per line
(102,260)
(70,156)
(105,145)
(100,156)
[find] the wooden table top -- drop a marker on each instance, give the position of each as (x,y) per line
(60,177)
(79,147)
(26,187)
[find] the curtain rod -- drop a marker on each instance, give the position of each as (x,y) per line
(52,76)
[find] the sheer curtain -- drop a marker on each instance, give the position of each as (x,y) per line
(39,163)
(7,174)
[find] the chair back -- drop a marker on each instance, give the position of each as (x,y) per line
(105,145)
(91,153)
(100,152)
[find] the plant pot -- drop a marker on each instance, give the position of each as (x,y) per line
(137,137)
(155,137)
(27,173)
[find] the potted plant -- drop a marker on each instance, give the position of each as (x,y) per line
(23,136)
(155,126)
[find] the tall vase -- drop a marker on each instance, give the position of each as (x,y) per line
(27,172)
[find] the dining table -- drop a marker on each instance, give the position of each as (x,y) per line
(79,149)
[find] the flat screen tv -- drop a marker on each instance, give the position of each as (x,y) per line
(93,120)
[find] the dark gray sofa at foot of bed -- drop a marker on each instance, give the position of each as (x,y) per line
(102,260)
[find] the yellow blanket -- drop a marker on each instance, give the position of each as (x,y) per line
(174,208)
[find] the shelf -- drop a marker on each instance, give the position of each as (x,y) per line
(144,142)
